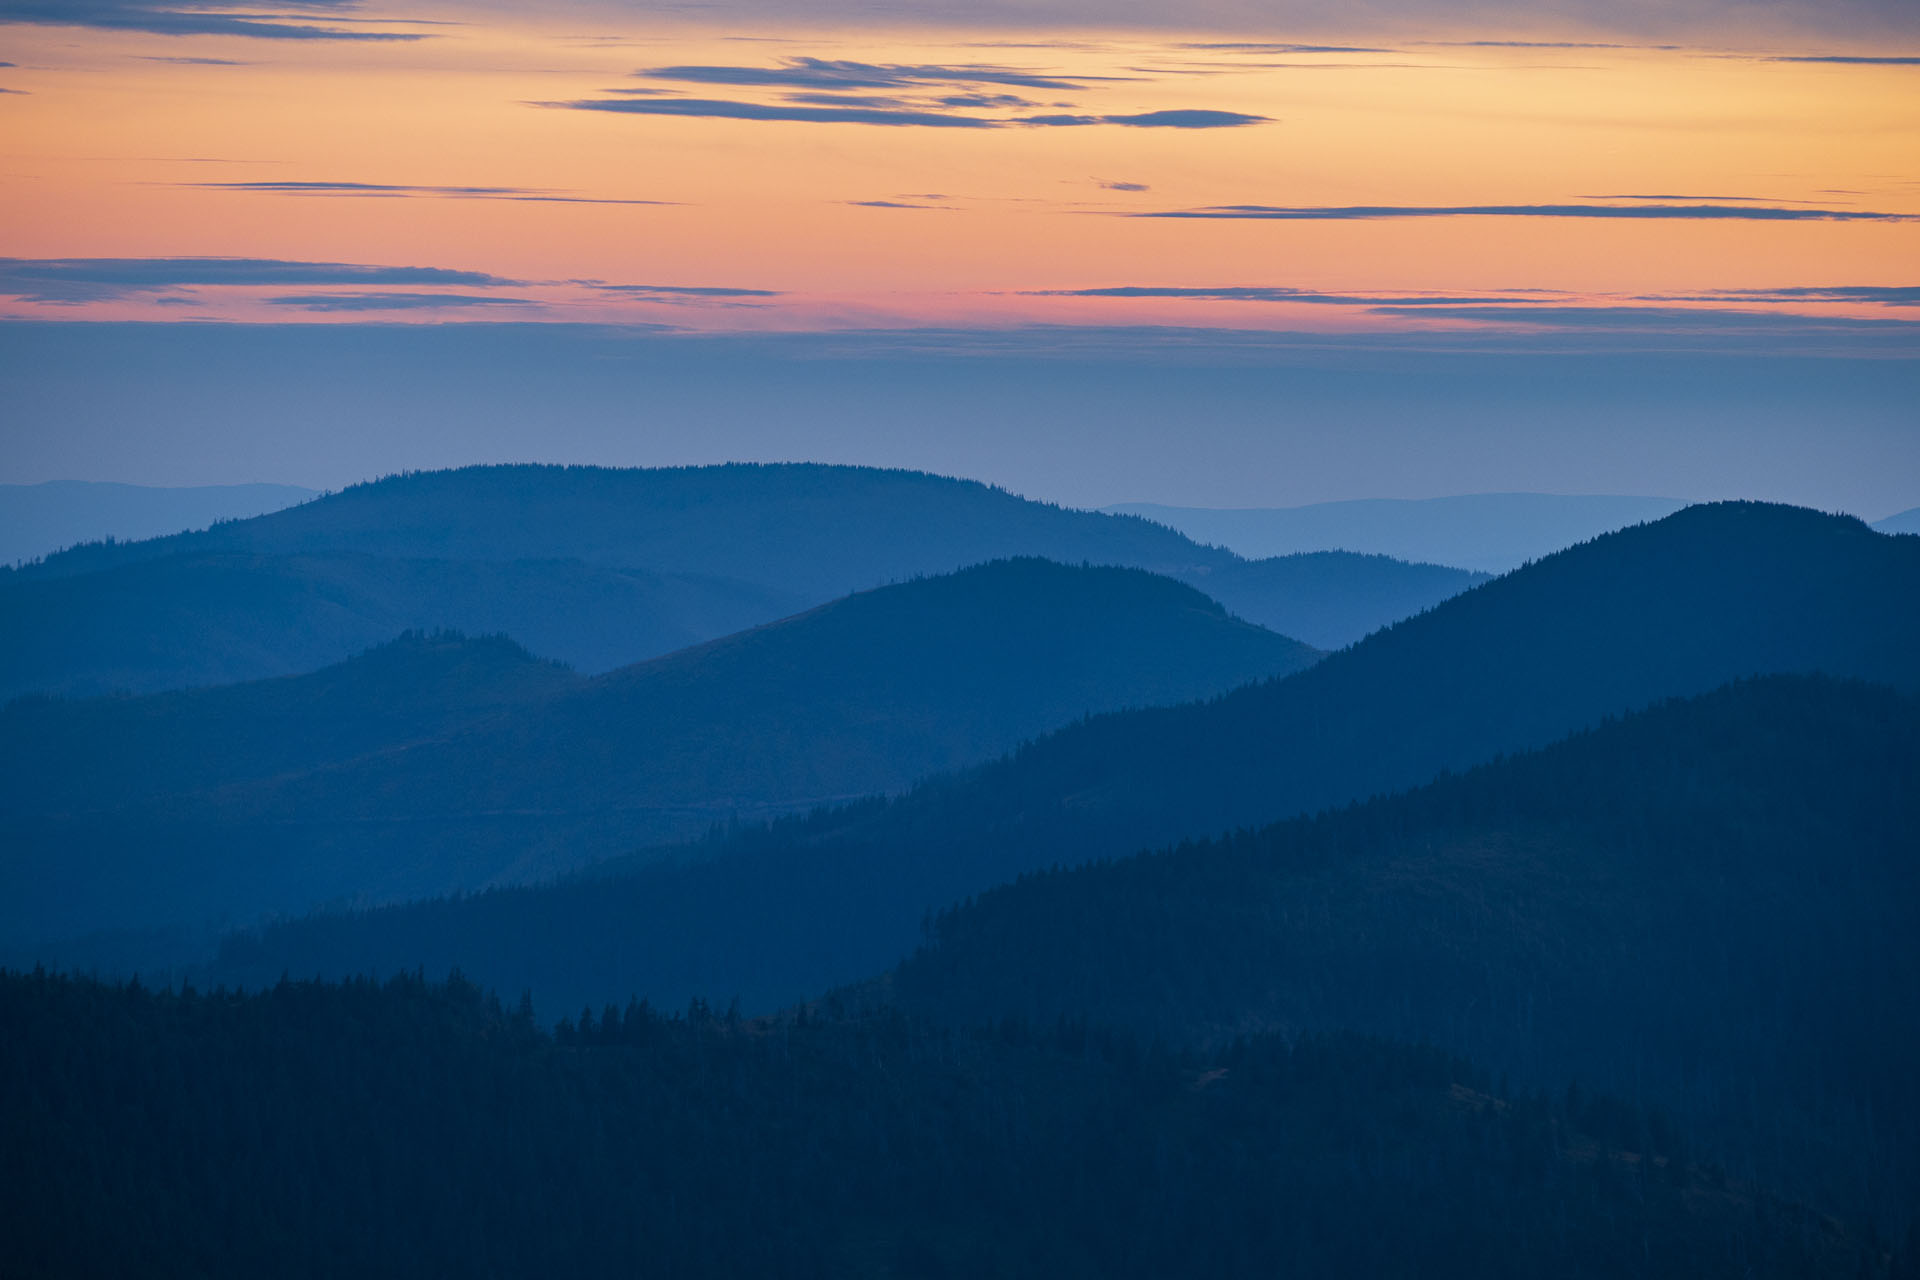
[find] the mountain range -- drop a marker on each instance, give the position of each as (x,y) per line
(438,764)
(1028,915)
(1676,608)
(1488,532)
(597,568)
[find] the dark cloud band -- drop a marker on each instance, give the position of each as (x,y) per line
(801,113)
(159,19)
(358,302)
(71,280)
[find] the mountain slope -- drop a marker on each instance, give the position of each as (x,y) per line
(1671,609)
(1331,598)
(1488,532)
(101,755)
(861,696)
(1903,522)
(591,566)
(216,618)
(1712,904)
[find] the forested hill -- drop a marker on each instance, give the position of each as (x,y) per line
(1711,905)
(599,568)
(1709,595)
(429,768)
(817,531)
(99,755)
(404,1129)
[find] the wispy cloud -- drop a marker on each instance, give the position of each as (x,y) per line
(1333,213)
(824,73)
(898,117)
(1176,119)
(1541,44)
(1506,303)
(1273,293)
(196,20)
(1652,318)
(900,204)
(394,301)
(75,280)
(680,293)
(1122,186)
(1881,294)
(1240,46)
(195,62)
(722,109)
(398,191)
(1852,60)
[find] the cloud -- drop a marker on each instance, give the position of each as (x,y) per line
(899,204)
(1178,119)
(75,280)
(721,109)
(823,73)
(393,301)
(1539,44)
(196,62)
(900,117)
(680,293)
(1906,295)
(1330,213)
(1671,198)
(1267,293)
(1122,186)
(394,191)
(1852,61)
(159,19)
(1653,318)
(21,92)
(1233,46)
(998,101)
(1535,302)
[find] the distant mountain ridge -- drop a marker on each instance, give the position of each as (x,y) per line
(597,567)
(42,519)
(442,765)
(1486,532)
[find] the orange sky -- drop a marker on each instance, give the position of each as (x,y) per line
(106,152)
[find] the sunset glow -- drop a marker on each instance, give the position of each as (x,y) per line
(955,177)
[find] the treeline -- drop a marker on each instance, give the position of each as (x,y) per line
(408,1128)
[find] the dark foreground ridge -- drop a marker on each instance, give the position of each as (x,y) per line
(387,1130)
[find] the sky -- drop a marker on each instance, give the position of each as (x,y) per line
(1232,253)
